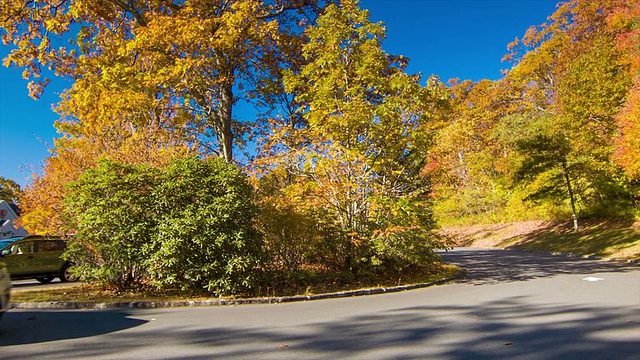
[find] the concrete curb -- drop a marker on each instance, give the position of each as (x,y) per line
(219,302)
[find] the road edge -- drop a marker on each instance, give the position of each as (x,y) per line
(53,305)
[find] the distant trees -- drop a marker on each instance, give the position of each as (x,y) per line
(10,191)
(466,158)
(555,128)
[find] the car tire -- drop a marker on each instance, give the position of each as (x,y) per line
(66,275)
(44,279)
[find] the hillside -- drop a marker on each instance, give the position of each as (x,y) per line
(607,239)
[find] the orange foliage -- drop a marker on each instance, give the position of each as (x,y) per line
(627,143)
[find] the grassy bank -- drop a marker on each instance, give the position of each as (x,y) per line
(620,239)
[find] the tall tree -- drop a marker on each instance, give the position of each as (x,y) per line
(360,146)
(192,55)
(150,78)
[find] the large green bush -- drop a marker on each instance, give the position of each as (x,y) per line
(205,237)
(111,210)
(188,225)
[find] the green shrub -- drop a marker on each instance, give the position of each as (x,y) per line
(188,225)
(111,210)
(205,237)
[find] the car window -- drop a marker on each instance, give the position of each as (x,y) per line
(4,243)
(22,248)
(51,245)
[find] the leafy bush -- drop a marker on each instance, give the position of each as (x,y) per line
(288,237)
(295,232)
(111,210)
(205,237)
(187,225)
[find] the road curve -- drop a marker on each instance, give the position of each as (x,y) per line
(512,305)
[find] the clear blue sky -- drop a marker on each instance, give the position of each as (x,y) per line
(465,39)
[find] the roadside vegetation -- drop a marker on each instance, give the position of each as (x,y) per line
(352,164)
(93,293)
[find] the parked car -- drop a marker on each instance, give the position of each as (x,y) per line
(5,288)
(36,257)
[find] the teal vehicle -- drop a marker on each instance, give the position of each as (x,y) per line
(36,257)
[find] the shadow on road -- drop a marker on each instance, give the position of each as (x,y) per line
(507,329)
(485,267)
(28,327)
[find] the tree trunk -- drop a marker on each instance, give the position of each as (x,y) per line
(572,199)
(226,140)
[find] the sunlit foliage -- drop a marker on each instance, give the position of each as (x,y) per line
(355,159)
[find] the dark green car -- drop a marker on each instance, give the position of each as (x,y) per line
(36,257)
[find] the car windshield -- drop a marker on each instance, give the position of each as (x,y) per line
(5,242)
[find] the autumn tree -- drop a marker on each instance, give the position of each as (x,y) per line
(177,55)
(625,19)
(572,80)
(357,154)
(150,79)
(628,141)
(10,191)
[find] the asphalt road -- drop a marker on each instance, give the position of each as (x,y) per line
(513,305)
(32,284)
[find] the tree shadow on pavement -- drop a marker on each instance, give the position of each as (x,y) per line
(438,327)
(499,266)
(506,329)
(29,327)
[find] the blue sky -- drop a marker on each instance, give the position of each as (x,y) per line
(463,39)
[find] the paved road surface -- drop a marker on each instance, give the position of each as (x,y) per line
(513,305)
(32,284)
